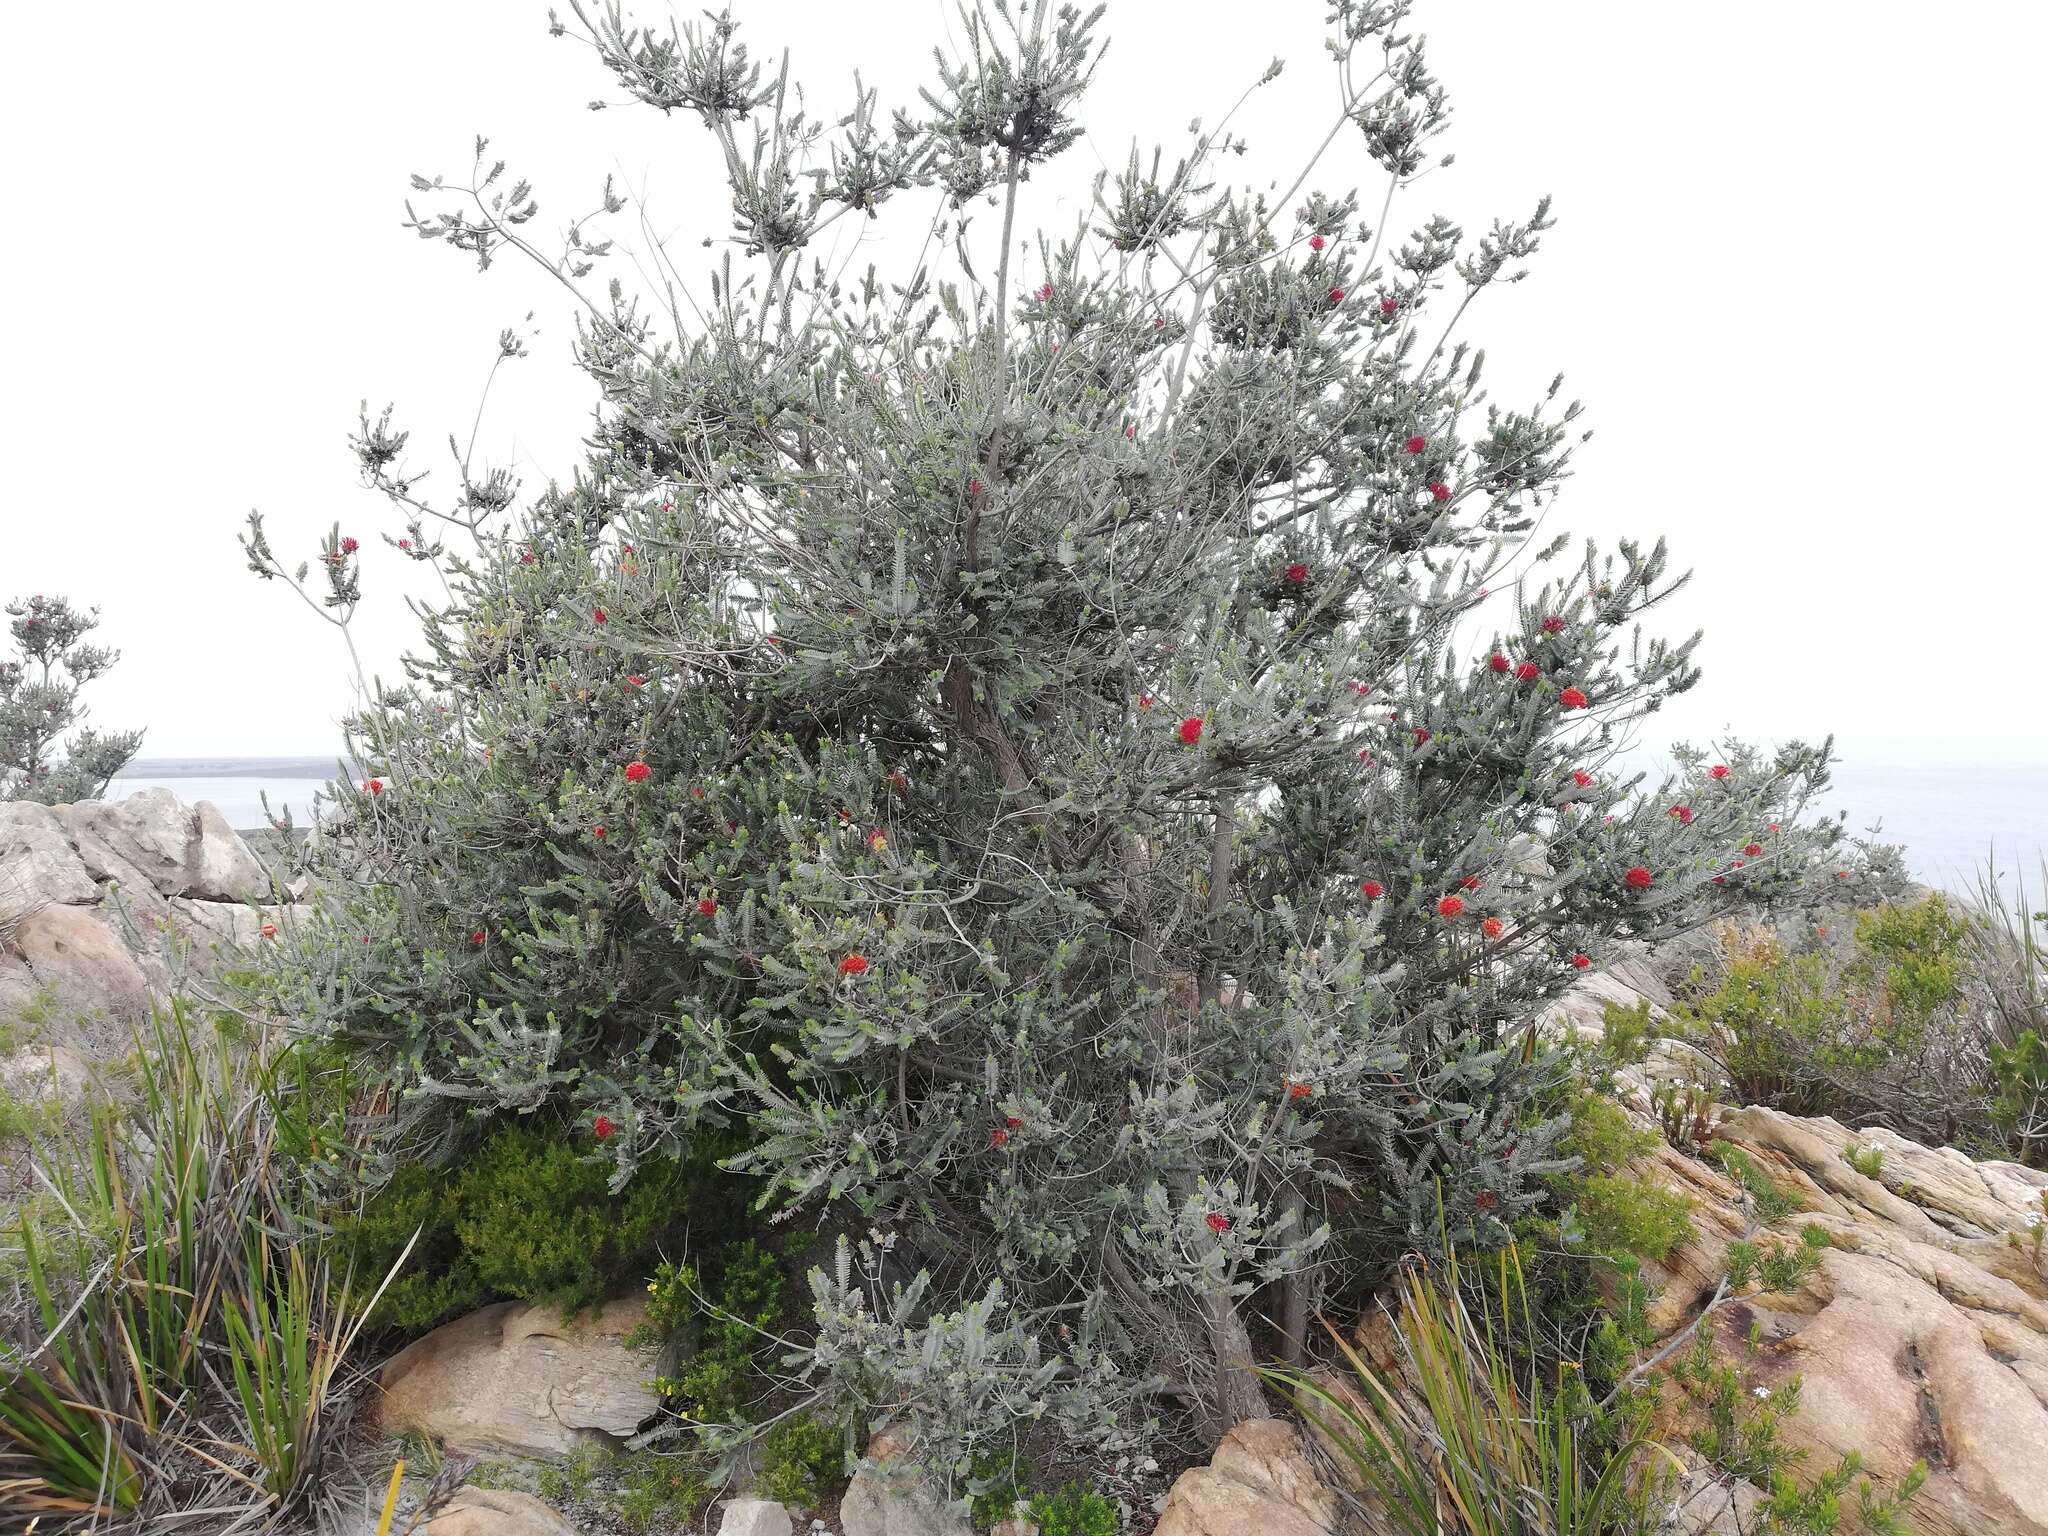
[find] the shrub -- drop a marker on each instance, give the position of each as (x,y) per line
(39,707)
(726,1327)
(1620,1215)
(1074,1510)
(1017,760)
(800,1459)
(2007,983)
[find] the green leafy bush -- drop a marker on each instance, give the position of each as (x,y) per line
(1621,1215)
(528,1215)
(800,1459)
(1073,1510)
(723,1329)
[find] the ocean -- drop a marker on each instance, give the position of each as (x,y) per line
(1953,805)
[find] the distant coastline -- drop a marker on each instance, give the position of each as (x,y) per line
(234,767)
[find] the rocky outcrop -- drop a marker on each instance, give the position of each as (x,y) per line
(525,1379)
(1259,1483)
(1921,1333)
(90,893)
(496,1512)
(890,1497)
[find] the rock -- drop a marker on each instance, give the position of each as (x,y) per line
(522,1378)
(497,1512)
(179,852)
(1257,1484)
(37,863)
(895,1500)
(1017,1527)
(44,1074)
(755,1517)
(71,948)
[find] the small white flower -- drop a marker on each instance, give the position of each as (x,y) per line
(2033,1218)
(1762,1392)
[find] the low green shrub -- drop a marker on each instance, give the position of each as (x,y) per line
(800,1459)
(723,1327)
(1074,1510)
(1868,1161)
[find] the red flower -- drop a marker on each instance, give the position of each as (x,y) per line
(597,616)
(1718,771)
(878,840)
(974,487)
(1191,730)
(602,1128)
(899,781)
(1131,431)
(1361,689)
(998,1137)
(1553,625)
(1421,736)
(625,549)
(1372,890)
(707,906)
(1486,1200)
(373,786)
(1683,813)
(526,557)
(1297,1090)
(1144,701)
(1754,850)
(1297,573)
(853,965)
(1045,294)
(1218,1222)
(268,930)
(1439,490)
(1315,242)
(637,772)
(1528,672)
(1416,444)
(476,939)
(1736,864)
(1336,295)
(598,831)
(405,543)
(1450,906)
(349,546)
(1841,874)
(1493,927)
(1013,1122)
(1582,778)
(1638,878)
(1498,662)
(1388,306)
(1469,883)
(636,681)
(1573,698)
(1365,756)
(1581,961)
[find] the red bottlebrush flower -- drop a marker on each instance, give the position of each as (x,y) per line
(1553,625)
(349,546)
(1372,890)
(476,939)
(1486,1200)
(1365,756)
(625,549)
(637,772)
(853,965)
(1297,573)
(526,557)
(1316,242)
(899,781)
(268,930)
(1045,294)
(1013,1122)
(602,1128)
(405,543)
(1158,322)
(878,840)
(1336,295)
(1469,883)
(1498,662)
(707,906)
(1720,879)
(998,1137)
(1416,444)
(1718,771)
(696,792)
(1191,730)
(1582,778)
(1638,878)
(1388,306)
(598,831)
(1218,1222)
(1131,431)
(1439,491)
(1581,961)
(1736,864)
(1450,906)
(597,616)
(1363,690)
(1573,698)
(1528,672)
(373,786)
(1493,927)
(1683,813)
(1145,701)
(974,487)
(1421,736)
(1841,874)
(1298,1090)
(1754,850)
(636,681)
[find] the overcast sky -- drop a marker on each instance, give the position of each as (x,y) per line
(1796,280)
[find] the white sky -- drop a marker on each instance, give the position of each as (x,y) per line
(1795,279)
